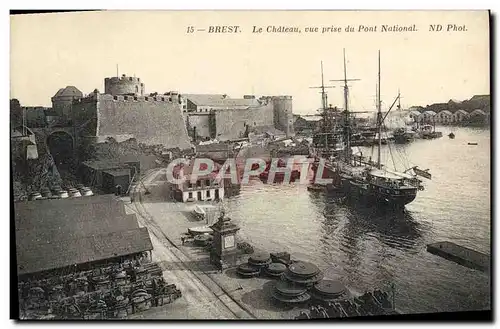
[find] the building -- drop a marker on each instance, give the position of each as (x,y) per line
(35,116)
(224,118)
(62,102)
(427,117)
(124,112)
(70,235)
(85,251)
(415,115)
(460,116)
(208,102)
(478,117)
(444,117)
(124,85)
(201,188)
(306,124)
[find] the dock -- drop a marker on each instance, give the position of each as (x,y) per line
(460,255)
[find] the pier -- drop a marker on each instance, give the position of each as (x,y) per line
(460,255)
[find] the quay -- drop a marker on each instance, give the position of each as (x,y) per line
(460,255)
(207,291)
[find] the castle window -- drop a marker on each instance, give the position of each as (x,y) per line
(115,98)
(135,98)
(170,99)
(130,78)
(136,89)
(163,99)
(146,98)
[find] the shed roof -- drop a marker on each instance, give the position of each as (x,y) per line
(103,164)
(445,112)
(52,234)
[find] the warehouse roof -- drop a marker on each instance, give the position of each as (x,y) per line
(220,100)
(52,234)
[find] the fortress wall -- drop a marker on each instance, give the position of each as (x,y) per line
(230,124)
(152,121)
(283,114)
(201,122)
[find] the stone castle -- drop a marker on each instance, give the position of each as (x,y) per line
(174,120)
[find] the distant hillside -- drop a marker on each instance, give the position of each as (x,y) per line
(481,102)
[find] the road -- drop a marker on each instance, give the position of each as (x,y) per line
(201,297)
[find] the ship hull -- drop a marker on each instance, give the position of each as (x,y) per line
(372,194)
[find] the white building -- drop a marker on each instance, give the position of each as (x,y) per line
(427,117)
(203,188)
(460,115)
(444,117)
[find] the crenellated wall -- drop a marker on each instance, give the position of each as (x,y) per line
(230,124)
(152,120)
(123,85)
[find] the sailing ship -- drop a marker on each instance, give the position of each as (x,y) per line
(402,135)
(364,179)
(326,142)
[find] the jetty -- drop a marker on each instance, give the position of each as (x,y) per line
(460,255)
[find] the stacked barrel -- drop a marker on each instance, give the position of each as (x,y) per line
(296,281)
(257,263)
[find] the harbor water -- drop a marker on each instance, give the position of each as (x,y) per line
(370,249)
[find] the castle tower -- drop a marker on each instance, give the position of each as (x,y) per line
(283,115)
(123,86)
(62,101)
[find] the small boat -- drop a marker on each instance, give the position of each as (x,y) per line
(471,143)
(451,135)
(423,173)
(35,196)
(194,231)
(199,213)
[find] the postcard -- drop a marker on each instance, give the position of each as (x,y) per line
(257,165)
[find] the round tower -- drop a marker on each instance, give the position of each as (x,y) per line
(123,86)
(283,115)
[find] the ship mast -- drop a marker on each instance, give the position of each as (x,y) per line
(379,115)
(324,96)
(346,110)
(324,110)
(399,100)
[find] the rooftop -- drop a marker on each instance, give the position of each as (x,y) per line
(53,234)
(118,172)
(69,91)
(216,100)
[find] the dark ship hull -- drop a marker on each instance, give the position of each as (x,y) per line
(373,194)
(402,139)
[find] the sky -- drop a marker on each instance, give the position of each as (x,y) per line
(51,51)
